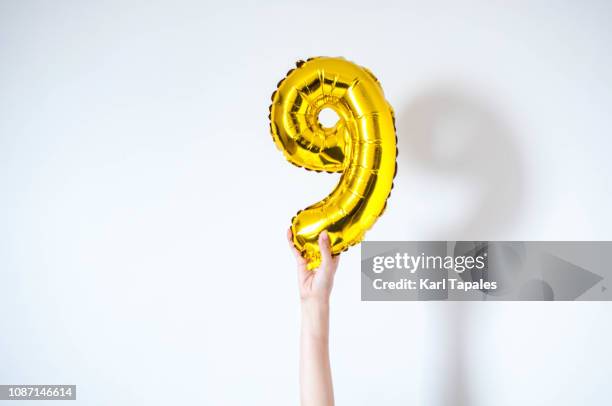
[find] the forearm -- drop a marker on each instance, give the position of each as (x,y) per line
(315,372)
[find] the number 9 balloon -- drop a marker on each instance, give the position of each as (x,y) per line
(361,145)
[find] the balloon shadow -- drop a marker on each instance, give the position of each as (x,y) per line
(459,136)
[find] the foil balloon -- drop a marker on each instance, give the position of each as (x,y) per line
(361,146)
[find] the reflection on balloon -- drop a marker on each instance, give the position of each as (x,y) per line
(361,146)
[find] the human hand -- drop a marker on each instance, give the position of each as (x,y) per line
(316,285)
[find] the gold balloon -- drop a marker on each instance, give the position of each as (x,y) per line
(361,145)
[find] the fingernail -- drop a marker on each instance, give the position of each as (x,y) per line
(324,235)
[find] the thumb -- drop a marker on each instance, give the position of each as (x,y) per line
(325,249)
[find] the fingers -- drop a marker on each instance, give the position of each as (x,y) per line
(298,256)
(335,261)
(290,237)
(328,261)
(325,248)
(302,271)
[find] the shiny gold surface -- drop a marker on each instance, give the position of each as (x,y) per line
(361,145)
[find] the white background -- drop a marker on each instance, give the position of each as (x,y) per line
(144,205)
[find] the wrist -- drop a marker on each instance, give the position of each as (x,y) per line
(315,318)
(318,303)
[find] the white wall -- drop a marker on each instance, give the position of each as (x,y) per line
(143,204)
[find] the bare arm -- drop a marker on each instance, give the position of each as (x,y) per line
(316,387)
